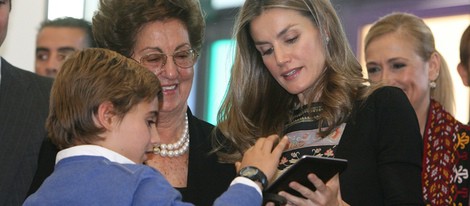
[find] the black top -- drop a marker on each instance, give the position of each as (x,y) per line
(383,146)
(381,142)
(207,178)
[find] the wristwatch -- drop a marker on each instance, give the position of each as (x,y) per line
(254,174)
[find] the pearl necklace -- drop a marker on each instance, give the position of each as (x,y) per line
(174,149)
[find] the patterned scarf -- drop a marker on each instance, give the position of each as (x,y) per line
(445,160)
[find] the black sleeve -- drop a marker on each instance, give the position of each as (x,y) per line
(46,163)
(400,148)
(383,147)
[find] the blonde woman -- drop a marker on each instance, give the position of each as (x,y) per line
(400,51)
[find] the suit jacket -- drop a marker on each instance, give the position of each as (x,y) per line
(24,106)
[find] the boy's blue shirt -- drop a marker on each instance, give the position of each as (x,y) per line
(94,179)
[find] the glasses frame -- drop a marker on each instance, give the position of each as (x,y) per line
(165,59)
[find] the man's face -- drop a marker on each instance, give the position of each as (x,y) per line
(54,44)
(4,15)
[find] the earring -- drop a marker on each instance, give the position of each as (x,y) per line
(432,84)
(327,39)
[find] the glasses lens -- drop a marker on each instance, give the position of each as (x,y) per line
(153,60)
(185,59)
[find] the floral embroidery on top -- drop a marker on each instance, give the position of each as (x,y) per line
(304,138)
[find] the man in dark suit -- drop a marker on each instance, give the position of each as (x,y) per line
(24,102)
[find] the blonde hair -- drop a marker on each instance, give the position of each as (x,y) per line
(423,41)
(256,105)
(87,79)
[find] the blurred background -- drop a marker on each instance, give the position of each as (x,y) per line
(446,18)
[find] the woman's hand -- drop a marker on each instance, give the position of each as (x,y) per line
(326,194)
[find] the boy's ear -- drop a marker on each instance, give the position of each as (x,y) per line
(463,72)
(105,116)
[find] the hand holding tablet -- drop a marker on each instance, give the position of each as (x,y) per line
(323,167)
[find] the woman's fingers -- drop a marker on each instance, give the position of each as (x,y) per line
(323,195)
(317,182)
(292,200)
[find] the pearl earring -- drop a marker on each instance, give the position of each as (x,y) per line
(432,84)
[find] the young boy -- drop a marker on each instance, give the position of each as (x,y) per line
(103,113)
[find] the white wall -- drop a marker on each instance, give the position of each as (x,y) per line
(20,43)
(84,9)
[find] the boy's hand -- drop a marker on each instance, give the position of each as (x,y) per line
(263,156)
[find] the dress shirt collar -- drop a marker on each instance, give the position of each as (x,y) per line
(93,150)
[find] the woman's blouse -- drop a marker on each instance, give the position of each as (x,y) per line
(381,142)
(445,164)
(304,138)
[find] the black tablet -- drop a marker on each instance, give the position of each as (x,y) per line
(324,167)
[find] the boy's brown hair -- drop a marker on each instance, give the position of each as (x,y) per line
(465,48)
(87,79)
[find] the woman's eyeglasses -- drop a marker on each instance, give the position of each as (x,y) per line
(155,61)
